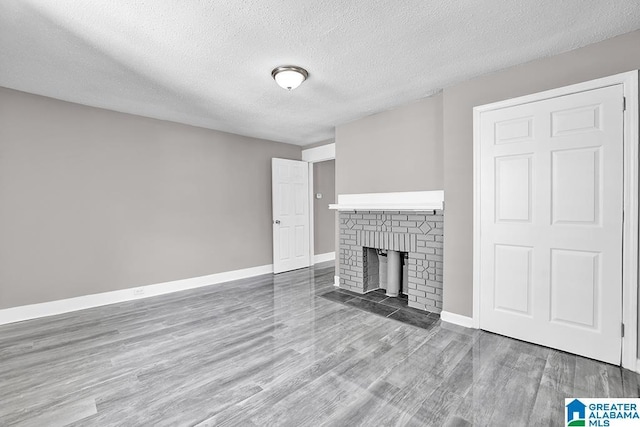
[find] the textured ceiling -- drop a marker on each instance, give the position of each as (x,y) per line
(208,63)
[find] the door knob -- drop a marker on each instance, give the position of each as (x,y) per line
(277,221)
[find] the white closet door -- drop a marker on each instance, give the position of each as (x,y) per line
(551,222)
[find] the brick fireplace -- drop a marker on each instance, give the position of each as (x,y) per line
(366,226)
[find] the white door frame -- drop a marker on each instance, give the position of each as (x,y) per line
(629,80)
(311,156)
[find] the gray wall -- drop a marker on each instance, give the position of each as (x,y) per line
(612,56)
(438,132)
(397,150)
(324,181)
(93,201)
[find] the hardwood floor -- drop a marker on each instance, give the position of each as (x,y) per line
(271,351)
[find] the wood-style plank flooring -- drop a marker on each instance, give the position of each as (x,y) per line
(271,351)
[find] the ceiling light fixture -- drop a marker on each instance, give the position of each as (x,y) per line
(289,76)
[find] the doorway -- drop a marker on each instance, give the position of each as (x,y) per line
(555,248)
(303,226)
(323,186)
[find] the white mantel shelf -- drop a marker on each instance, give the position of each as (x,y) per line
(399,201)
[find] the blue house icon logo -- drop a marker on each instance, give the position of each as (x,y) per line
(576,413)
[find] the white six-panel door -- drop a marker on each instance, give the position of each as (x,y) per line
(290,189)
(551,206)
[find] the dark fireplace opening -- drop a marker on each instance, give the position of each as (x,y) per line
(392,276)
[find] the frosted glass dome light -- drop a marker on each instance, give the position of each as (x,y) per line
(289,76)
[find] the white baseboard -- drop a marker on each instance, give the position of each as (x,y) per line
(329,256)
(637,368)
(336,281)
(51,308)
(456,319)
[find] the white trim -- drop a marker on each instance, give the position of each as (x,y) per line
(315,155)
(622,78)
(319,154)
(637,370)
(629,80)
(476,218)
(406,201)
(312,219)
(630,233)
(329,256)
(336,281)
(457,319)
(51,308)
